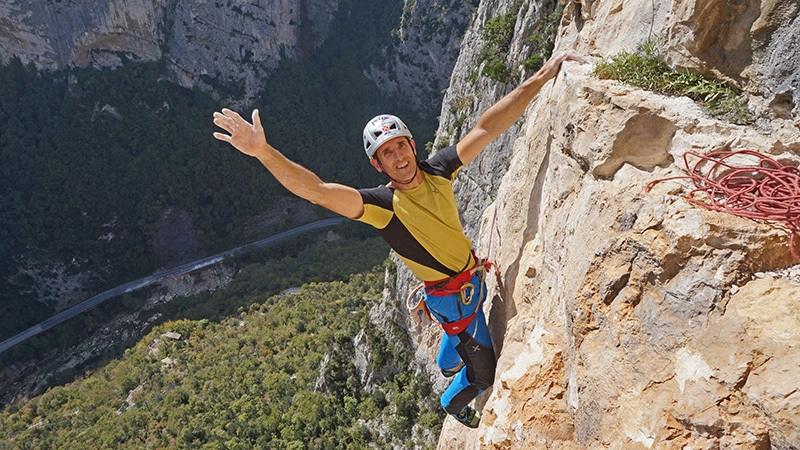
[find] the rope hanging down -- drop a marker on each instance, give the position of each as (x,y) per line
(768,190)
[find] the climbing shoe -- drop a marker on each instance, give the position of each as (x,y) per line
(468,417)
(452,372)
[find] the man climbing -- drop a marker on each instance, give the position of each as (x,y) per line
(416,213)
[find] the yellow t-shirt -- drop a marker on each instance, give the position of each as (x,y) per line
(422,224)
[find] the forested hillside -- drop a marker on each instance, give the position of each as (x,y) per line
(302,370)
(111,174)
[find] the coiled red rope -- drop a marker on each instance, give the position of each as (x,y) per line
(767,190)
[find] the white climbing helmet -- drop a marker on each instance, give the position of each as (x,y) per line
(381,129)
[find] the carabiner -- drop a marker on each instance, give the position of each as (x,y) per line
(467,299)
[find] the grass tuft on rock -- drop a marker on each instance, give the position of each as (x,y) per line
(645,69)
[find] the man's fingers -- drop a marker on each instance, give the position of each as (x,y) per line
(575,56)
(233,115)
(223,137)
(572,55)
(238,130)
(257,122)
(228,112)
(225,124)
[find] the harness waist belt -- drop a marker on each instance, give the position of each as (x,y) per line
(453,328)
(453,284)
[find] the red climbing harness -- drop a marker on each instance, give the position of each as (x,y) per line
(461,285)
(460,281)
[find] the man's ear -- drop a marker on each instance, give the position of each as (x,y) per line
(413,146)
(376,164)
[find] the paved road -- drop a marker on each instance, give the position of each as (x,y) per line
(138,284)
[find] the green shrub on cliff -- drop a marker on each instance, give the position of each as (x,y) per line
(645,69)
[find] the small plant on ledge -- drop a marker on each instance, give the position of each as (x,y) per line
(646,70)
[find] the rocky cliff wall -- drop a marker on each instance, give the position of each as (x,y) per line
(235,41)
(627,319)
(419,64)
(238,42)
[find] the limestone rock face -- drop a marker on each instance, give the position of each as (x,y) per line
(470,94)
(749,43)
(235,41)
(627,318)
(419,64)
(232,41)
(245,40)
(54,35)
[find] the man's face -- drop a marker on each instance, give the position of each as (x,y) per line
(396,158)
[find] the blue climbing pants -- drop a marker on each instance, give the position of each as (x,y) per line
(472,345)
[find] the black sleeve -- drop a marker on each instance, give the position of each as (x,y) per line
(379,196)
(444,163)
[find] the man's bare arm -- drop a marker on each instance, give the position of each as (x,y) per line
(500,116)
(250,139)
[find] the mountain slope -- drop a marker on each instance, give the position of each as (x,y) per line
(307,369)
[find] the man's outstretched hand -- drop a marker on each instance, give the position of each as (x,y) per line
(246,137)
(249,139)
(551,67)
